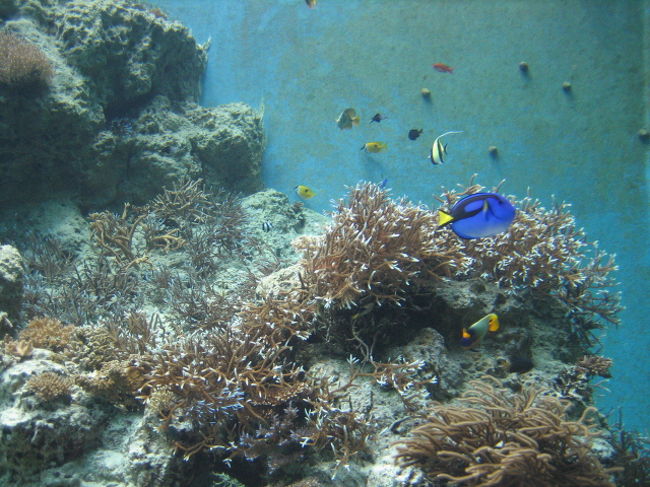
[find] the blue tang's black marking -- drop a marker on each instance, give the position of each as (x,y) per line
(481,215)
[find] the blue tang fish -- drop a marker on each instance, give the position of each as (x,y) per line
(478,215)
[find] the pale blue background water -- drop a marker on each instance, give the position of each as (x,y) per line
(375,55)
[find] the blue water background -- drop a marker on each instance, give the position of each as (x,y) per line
(305,66)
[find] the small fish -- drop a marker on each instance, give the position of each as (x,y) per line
(473,335)
(443,68)
(347,119)
(304,191)
(267,226)
(374,147)
(311,3)
(478,215)
(517,364)
(383,183)
(378,117)
(438,151)
(415,133)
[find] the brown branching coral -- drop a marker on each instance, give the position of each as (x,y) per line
(595,365)
(47,333)
(114,235)
(544,252)
(375,250)
(238,385)
(505,440)
(22,64)
(185,204)
(50,386)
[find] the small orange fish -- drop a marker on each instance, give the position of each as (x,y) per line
(443,68)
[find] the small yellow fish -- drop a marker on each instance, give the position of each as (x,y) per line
(374,147)
(347,119)
(311,3)
(304,191)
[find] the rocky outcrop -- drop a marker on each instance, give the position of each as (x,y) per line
(119,118)
(11,281)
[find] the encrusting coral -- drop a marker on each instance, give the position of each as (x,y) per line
(504,440)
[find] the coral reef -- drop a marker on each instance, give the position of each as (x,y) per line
(193,330)
(496,439)
(544,253)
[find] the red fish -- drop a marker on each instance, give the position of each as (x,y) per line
(443,68)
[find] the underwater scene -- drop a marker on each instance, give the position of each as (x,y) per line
(302,243)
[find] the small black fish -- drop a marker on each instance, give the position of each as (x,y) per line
(377,118)
(415,133)
(267,226)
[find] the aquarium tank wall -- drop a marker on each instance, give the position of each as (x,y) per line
(300,243)
(566,127)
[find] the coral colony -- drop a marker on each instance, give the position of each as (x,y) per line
(191,336)
(226,372)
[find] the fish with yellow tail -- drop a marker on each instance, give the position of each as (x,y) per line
(439,151)
(473,335)
(374,147)
(305,192)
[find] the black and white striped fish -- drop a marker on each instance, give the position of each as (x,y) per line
(438,151)
(267,226)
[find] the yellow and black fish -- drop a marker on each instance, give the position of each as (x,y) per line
(374,147)
(347,119)
(473,335)
(311,3)
(304,191)
(438,151)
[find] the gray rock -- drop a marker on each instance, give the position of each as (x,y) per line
(287,221)
(34,438)
(118,119)
(223,145)
(11,281)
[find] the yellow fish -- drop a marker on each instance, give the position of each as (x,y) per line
(374,147)
(311,3)
(348,118)
(304,191)
(473,335)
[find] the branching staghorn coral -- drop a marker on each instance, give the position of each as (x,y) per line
(375,251)
(544,252)
(50,386)
(504,440)
(244,395)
